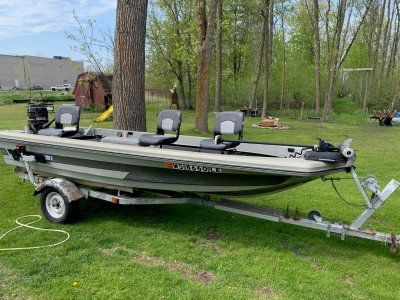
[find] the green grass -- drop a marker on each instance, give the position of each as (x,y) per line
(186,252)
(6,97)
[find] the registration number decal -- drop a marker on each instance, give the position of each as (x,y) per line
(192,168)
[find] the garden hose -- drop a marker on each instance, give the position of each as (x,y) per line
(28,225)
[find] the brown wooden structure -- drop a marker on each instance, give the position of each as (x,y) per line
(93,89)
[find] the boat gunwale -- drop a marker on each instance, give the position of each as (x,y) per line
(223,162)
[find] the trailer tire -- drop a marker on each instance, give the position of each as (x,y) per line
(312,214)
(56,208)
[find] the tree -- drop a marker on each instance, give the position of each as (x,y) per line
(129,65)
(218,59)
(317,52)
(337,57)
(94,43)
(25,71)
(206,30)
(312,41)
(283,77)
(253,98)
(268,15)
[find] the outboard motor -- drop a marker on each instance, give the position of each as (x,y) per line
(37,116)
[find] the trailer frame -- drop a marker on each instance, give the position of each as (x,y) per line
(72,192)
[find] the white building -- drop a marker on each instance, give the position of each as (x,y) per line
(25,71)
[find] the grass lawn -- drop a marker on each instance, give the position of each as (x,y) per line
(183,251)
(7,97)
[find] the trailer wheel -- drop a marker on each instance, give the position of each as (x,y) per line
(312,214)
(56,208)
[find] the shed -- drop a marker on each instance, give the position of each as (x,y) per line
(93,89)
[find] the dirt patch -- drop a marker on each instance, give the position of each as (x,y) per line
(265,292)
(270,127)
(216,249)
(185,270)
(302,253)
(209,246)
(312,262)
(7,277)
(108,251)
(204,277)
(213,234)
(347,279)
(149,260)
(381,221)
(112,250)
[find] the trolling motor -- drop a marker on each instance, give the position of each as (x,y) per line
(326,152)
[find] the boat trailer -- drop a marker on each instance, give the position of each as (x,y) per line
(66,192)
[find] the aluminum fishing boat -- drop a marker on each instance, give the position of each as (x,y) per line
(126,160)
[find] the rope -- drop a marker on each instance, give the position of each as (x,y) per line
(27,225)
(340,196)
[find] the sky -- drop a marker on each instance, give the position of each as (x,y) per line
(37,27)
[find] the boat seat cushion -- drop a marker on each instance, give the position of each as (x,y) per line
(68,131)
(228,122)
(120,140)
(210,144)
(155,139)
(68,114)
(51,132)
(169,119)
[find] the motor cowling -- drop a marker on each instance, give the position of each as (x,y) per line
(37,116)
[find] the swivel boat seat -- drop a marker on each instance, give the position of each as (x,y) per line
(168,120)
(67,115)
(228,122)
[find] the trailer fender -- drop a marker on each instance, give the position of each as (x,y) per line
(67,188)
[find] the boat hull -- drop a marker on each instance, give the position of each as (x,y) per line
(133,167)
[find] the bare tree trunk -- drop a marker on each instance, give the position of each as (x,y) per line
(181,99)
(129,65)
(334,60)
(327,36)
(266,15)
(175,12)
(386,39)
(395,97)
(393,53)
(366,93)
(283,77)
(235,52)
(188,64)
(317,57)
(258,69)
(218,59)
(379,25)
(394,47)
(189,79)
(368,79)
(206,26)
